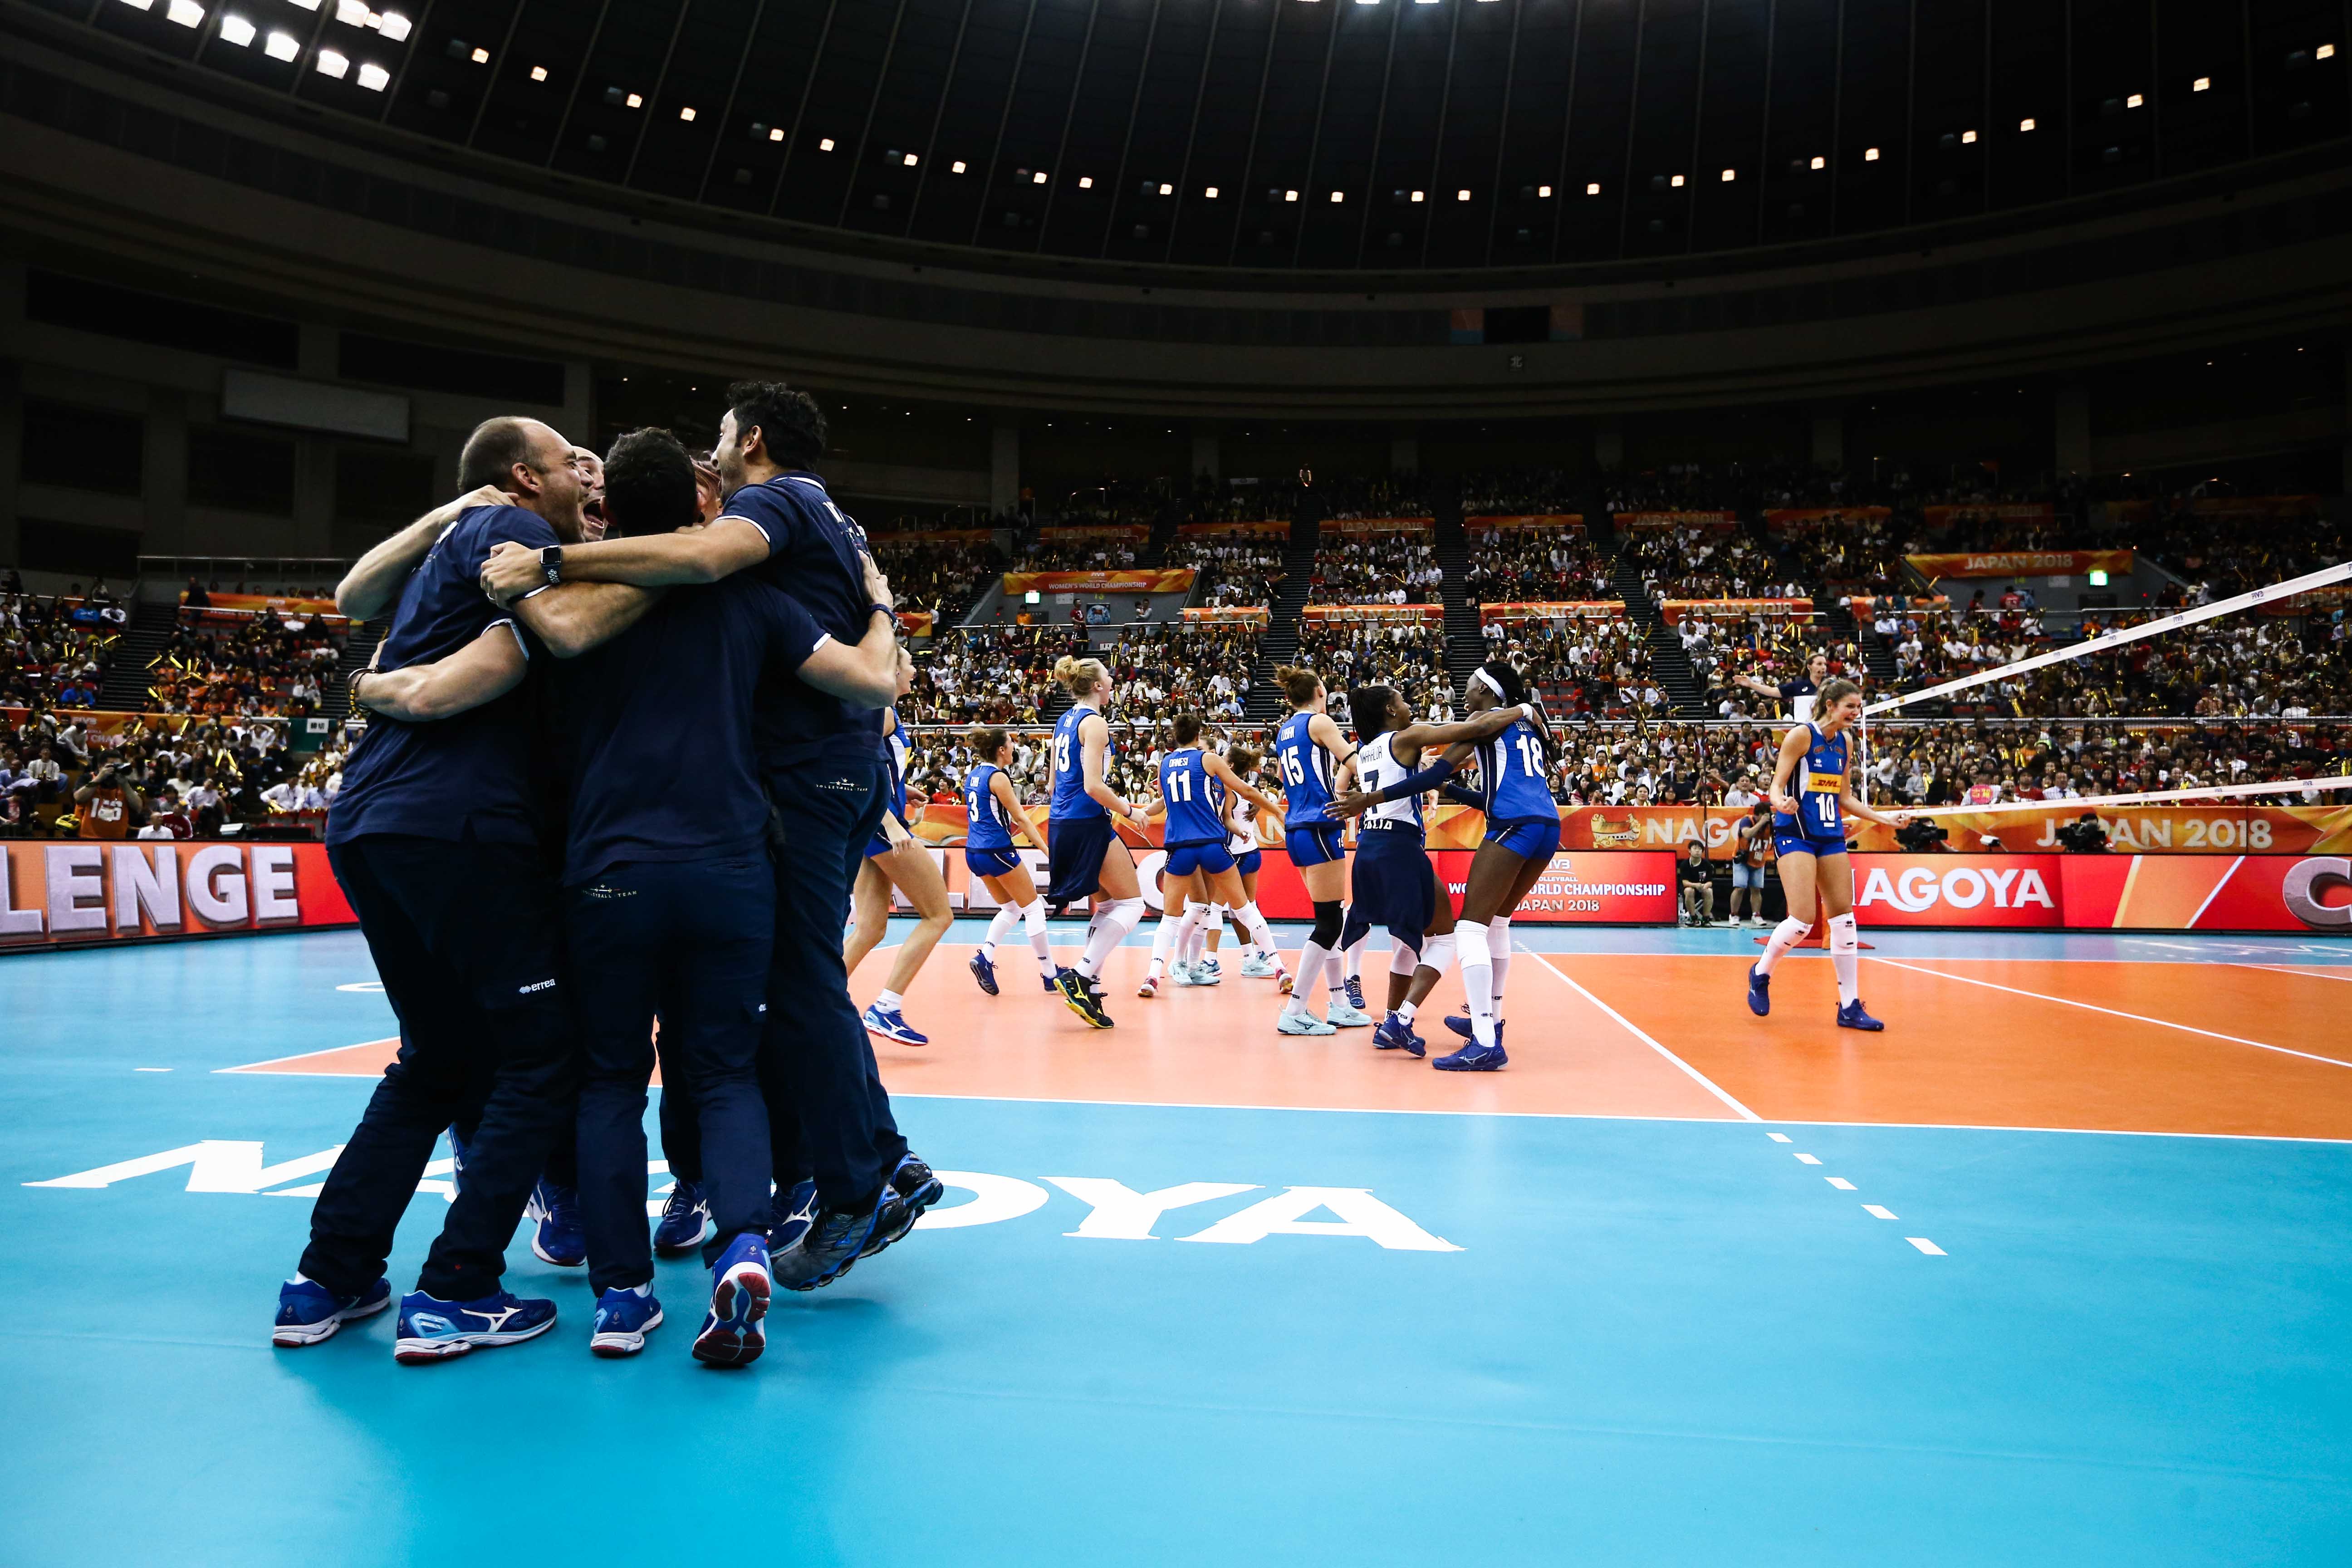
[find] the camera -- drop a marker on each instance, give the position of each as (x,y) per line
(2083,835)
(1920,836)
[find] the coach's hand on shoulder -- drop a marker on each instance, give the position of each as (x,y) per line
(511,571)
(877,586)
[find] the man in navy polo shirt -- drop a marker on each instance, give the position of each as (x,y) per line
(823,763)
(433,840)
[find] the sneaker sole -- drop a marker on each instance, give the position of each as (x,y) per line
(848,1261)
(876,1029)
(1321,1028)
(1470,1066)
(914,1203)
(294,1336)
(1093,1020)
(420,1353)
(612,1345)
(546,1256)
(680,1248)
(734,1337)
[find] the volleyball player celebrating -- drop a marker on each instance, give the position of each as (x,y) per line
(992,808)
(1088,859)
(1194,786)
(895,857)
(1264,961)
(1812,790)
(1307,748)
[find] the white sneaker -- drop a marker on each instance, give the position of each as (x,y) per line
(1258,967)
(1342,1016)
(1199,975)
(1290,1023)
(1150,986)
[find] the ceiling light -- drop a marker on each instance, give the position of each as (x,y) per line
(281,47)
(2134,101)
(824,144)
(308,5)
(2324,52)
(393,26)
(352,13)
(1038,178)
(186,13)
(1592,188)
(1290,195)
(686,114)
(139,4)
(1821,163)
(956,167)
(636,100)
(1416,195)
(1167,190)
(331,64)
(1210,193)
(1085,182)
(2201,84)
(2025,124)
(481,57)
(1543,191)
(373,78)
(1729,175)
(1676,181)
(1338,196)
(238,31)
(538,73)
(1967,138)
(908,160)
(1461,196)
(1870,155)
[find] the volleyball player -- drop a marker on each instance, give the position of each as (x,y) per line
(895,857)
(1812,792)
(1307,751)
(1260,962)
(1085,855)
(1194,784)
(991,808)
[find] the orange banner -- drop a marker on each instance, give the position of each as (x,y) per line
(70,892)
(1168,580)
(2309,600)
(1234,614)
(106,722)
(1379,525)
(917,622)
(2020,562)
(1574,520)
(1675,519)
(2012,510)
(1268,530)
(1553,610)
(1427,614)
(277,604)
(1095,531)
(1788,517)
(1676,609)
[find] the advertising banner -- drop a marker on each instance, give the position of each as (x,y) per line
(1675,519)
(1793,519)
(1561,520)
(276,603)
(1095,531)
(917,622)
(66,893)
(2021,562)
(2230,828)
(2108,892)
(1676,609)
(1272,529)
(1426,615)
(1168,580)
(1378,525)
(2012,892)
(1232,614)
(2323,600)
(110,721)
(2012,510)
(1553,610)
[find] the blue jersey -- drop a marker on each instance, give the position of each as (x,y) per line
(1306,769)
(1511,768)
(1195,798)
(1071,800)
(988,826)
(815,556)
(1819,785)
(894,755)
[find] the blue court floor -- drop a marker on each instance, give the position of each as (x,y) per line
(1493,1339)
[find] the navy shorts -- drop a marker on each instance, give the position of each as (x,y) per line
(1394,885)
(1247,862)
(1209,855)
(1317,843)
(1074,847)
(1789,838)
(1534,839)
(990,862)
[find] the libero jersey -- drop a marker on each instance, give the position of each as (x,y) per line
(1375,765)
(1511,768)
(1820,786)
(1195,798)
(984,813)
(1306,769)
(1070,797)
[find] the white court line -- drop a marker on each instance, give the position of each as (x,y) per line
(1877,1211)
(150,1069)
(2313,970)
(2116,1013)
(1778,1137)
(1808,1160)
(1840,1183)
(1696,1077)
(1924,1245)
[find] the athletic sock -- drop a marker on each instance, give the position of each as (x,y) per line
(1251,922)
(1195,934)
(1845,956)
(1355,955)
(1402,1012)
(1499,951)
(1120,917)
(1163,942)
(1785,935)
(999,926)
(1477,979)
(1033,915)
(889,1001)
(1311,959)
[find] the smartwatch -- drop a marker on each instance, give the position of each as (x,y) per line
(550,561)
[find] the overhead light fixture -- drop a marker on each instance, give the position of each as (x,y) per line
(1210,193)
(824,144)
(186,13)
(1729,175)
(1038,178)
(352,13)
(1870,155)
(2026,124)
(686,114)
(538,73)
(1676,181)
(1338,196)
(481,57)
(331,64)
(775,133)
(1543,192)
(1167,190)
(956,167)
(237,30)
(139,4)
(2134,101)
(393,26)
(1967,138)
(282,46)
(2324,52)
(1461,196)
(1290,195)
(1820,162)
(908,160)
(636,100)
(308,5)
(374,77)
(1592,188)
(2203,84)
(1416,195)
(1085,182)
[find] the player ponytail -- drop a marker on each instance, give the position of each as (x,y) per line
(1243,760)
(1297,685)
(1185,728)
(986,742)
(1082,675)
(1373,708)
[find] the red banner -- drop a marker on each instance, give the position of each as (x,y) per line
(2020,562)
(73,892)
(1137,580)
(2006,511)
(1676,609)
(1675,519)
(1789,519)
(276,603)
(1095,531)
(1234,614)
(917,622)
(1553,610)
(1378,525)
(1427,614)
(1562,520)
(1264,529)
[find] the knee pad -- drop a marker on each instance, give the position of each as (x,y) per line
(1403,959)
(1803,929)
(1437,952)
(1326,924)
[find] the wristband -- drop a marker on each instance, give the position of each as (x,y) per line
(879,609)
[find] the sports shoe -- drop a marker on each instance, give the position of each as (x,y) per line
(556,1237)
(891,1024)
(1393,1034)
(308,1312)
(1759,994)
(433,1329)
(1150,988)
(1050,984)
(1851,1017)
(1472,1058)
(1342,1015)
(1290,1023)
(1258,966)
(1083,997)
(623,1318)
(1283,983)
(919,1187)
(1460,1025)
(790,1217)
(835,1243)
(685,1220)
(1355,994)
(985,972)
(1198,975)
(731,1335)
(1210,967)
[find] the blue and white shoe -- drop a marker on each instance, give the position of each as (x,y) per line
(793,1213)
(985,972)
(1210,967)
(1393,1034)
(308,1313)
(685,1220)
(1355,994)
(835,1242)
(1258,966)
(1348,1016)
(1289,1022)
(556,1237)
(740,1288)
(1194,974)
(891,1024)
(1461,1026)
(433,1329)
(1851,1017)
(623,1318)
(1759,994)
(919,1187)
(1472,1058)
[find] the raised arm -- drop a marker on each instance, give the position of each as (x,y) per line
(375,579)
(864,674)
(576,616)
(647,561)
(482,671)
(1220,768)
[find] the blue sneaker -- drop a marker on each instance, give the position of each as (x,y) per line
(891,1024)
(1472,1057)
(433,1329)
(731,1335)
(308,1313)
(1461,1026)
(1759,994)
(985,972)
(1395,1035)
(1356,992)
(623,1318)
(1851,1017)
(835,1242)
(556,1238)
(793,1213)
(685,1220)
(919,1187)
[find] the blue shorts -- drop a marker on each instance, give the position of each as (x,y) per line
(1788,839)
(881,841)
(1747,875)
(992,862)
(1074,847)
(1207,854)
(1317,843)
(1247,862)
(1394,885)
(1534,839)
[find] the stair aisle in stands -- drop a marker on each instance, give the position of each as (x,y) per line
(1676,677)
(1279,646)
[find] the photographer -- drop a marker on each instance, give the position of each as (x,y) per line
(1751,846)
(1920,836)
(108,803)
(2083,835)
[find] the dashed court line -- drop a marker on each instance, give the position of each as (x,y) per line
(1876,1211)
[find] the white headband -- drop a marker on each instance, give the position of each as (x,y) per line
(1492,684)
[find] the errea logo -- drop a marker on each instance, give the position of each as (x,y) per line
(540,985)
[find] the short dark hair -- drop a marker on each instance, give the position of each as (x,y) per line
(791,425)
(649,484)
(1185,728)
(492,451)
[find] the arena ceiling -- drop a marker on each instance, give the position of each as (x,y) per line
(1308,133)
